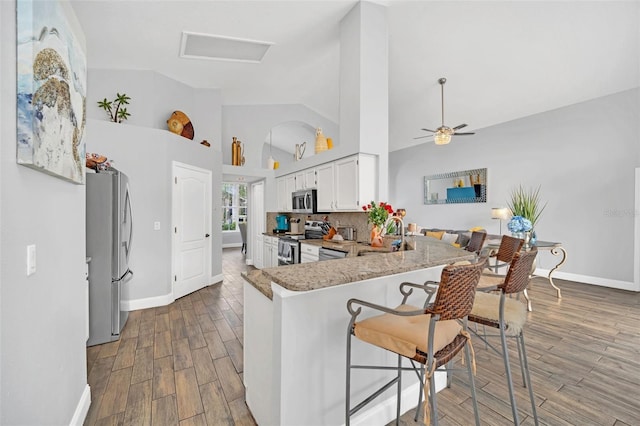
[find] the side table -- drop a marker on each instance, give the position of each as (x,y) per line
(555,248)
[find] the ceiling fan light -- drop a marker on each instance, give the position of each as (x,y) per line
(442,138)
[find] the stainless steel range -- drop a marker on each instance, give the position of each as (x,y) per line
(289,249)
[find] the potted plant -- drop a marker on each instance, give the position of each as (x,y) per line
(525,203)
(118,114)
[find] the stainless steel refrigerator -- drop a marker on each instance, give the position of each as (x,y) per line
(109,235)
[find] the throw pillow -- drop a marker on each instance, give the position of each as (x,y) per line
(449,238)
(437,235)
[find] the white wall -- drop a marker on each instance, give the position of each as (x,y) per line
(43,316)
(145,155)
(583,156)
(144,149)
(251,125)
(154,97)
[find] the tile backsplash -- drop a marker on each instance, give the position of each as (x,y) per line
(356,219)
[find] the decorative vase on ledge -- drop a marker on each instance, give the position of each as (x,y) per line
(376,236)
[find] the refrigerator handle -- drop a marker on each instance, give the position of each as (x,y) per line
(129,208)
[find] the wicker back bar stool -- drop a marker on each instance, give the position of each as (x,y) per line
(476,242)
(508,315)
(429,335)
(508,247)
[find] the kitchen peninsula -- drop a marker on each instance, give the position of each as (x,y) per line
(295,330)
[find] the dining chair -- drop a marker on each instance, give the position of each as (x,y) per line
(508,315)
(476,242)
(430,335)
(243,234)
(508,247)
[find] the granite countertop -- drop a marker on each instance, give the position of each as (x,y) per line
(429,252)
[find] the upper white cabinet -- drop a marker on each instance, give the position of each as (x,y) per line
(285,185)
(325,186)
(306,179)
(290,187)
(343,185)
(347,184)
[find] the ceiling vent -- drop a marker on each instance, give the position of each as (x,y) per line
(209,46)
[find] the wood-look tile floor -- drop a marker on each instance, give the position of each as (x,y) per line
(182,363)
(177,364)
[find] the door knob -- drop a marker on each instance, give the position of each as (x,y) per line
(206,235)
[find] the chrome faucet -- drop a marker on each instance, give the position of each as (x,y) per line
(397,219)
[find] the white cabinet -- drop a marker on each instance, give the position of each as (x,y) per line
(306,179)
(347,184)
(258,252)
(290,187)
(309,253)
(325,186)
(270,252)
(285,185)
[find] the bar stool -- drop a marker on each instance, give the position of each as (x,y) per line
(508,315)
(508,247)
(476,242)
(431,335)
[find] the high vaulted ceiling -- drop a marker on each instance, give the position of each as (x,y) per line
(502,59)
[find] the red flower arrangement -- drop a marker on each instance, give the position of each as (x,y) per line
(378,212)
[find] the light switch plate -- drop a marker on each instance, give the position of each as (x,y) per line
(156,226)
(31,259)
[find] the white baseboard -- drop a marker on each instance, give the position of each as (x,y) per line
(603,282)
(152,302)
(147,302)
(80,414)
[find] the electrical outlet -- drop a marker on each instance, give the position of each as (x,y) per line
(31,259)
(156,226)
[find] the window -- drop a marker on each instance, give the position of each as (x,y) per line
(234,205)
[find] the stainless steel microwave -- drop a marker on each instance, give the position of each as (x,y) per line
(305,201)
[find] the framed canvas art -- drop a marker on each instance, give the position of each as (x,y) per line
(51,92)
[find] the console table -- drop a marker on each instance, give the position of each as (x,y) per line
(556,249)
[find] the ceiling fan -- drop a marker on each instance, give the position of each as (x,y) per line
(442,135)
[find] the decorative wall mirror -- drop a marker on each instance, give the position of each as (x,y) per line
(466,186)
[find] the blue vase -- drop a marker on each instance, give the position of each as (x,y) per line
(533,238)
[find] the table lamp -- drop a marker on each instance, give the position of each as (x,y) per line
(500,213)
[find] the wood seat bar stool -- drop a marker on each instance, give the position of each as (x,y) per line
(508,315)
(430,335)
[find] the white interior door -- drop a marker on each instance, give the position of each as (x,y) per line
(191,247)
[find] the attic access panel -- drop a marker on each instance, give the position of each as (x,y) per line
(221,48)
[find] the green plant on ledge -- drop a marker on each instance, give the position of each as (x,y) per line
(119,114)
(526,203)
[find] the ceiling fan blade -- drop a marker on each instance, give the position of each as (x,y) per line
(460,126)
(464,134)
(420,137)
(429,130)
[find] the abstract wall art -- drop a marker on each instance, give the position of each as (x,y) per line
(51,92)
